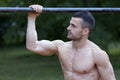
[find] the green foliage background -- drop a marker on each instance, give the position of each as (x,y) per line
(53,25)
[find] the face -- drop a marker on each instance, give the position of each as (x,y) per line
(75,31)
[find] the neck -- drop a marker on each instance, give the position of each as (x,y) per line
(77,44)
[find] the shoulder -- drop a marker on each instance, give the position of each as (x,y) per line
(95,48)
(100,56)
(60,43)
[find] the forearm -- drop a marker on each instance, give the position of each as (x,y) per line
(31,35)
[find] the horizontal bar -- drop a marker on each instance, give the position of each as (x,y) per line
(81,9)
(16,9)
(27,9)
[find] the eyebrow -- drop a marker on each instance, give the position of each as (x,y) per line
(72,24)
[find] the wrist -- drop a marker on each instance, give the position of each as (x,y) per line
(30,17)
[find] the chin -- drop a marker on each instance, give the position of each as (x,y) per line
(69,38)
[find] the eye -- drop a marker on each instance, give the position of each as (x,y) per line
(73,25)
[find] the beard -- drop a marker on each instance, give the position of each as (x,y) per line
(73,37)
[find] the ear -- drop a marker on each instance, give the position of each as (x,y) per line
(86,31)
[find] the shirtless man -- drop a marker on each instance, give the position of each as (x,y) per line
(80,58)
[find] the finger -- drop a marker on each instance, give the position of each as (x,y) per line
(37,8)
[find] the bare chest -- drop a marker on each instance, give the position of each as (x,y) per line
(79,61)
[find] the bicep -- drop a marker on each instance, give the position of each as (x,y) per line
(104,67)
(106,72)
(44,47)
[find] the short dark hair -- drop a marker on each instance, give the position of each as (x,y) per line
(88,19)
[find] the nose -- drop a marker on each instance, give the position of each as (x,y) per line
(68,28)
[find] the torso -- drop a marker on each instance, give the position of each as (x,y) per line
(77,64)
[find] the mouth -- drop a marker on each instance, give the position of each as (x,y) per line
(69,32)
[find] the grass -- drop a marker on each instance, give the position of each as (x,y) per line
(20,64)
(17,63)
(115,60)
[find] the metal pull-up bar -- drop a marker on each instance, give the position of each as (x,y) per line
(27,9)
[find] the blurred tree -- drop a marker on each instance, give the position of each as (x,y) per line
(53,25)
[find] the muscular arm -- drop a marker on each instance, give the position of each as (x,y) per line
(104,66)
(43,47)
